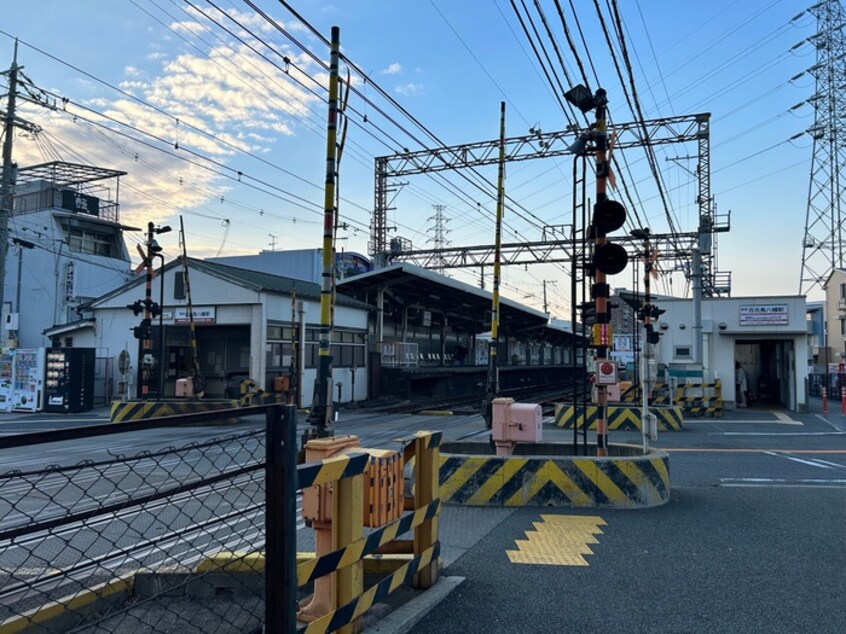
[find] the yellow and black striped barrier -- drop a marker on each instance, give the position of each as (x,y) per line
(617,482)
(308,571)
(620,417)
(358,606)
(332,469)
(425,547)
(252,394)
(122,411)
(695,399)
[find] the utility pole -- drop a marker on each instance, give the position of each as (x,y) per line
(320,416)
(493,346)
(6,183)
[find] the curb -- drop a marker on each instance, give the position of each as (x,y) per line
(404,618)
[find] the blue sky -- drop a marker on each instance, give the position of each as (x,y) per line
(449,64)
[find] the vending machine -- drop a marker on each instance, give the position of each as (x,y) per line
(28,380)
(69,380)
(7,357)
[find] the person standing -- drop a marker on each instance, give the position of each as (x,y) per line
(741,384)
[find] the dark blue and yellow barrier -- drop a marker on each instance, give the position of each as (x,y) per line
(620,417)
(138,410)
(632,481)
(695,399)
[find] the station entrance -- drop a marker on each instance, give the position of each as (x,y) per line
(769,365)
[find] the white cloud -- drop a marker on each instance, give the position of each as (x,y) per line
(393,69)
(234,99)
(409,90)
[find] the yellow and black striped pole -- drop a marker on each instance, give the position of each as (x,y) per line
(321,410)
(198,383)
(493,346)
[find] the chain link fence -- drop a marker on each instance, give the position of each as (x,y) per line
(123,544)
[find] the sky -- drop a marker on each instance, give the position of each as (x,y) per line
(218,114)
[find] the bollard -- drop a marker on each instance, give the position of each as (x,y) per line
(426,490)
(843,400)
(824,400)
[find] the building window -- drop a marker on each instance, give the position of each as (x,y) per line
(90,241)
(68,342)
(842,325)
(179,285)
(681,352)
(348,348)
(843,290)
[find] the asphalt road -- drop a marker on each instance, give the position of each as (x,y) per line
(751,541)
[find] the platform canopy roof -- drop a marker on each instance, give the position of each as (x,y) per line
(467,307)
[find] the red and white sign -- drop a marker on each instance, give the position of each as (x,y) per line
(606,372)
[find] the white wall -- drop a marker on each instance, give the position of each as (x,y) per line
(235,305)
(719,343)
(47,293)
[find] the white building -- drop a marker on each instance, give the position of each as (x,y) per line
(766,335)
(67,247)
(243,321)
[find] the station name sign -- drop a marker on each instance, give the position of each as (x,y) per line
(202,315)
(764,315)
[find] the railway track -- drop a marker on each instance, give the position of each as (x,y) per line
(546,395)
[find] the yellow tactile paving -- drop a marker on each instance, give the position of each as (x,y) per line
(558,540)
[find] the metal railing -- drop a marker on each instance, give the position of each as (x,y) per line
(399,355)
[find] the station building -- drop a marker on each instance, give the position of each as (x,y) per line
(768,336)
(244,323)
(399,332)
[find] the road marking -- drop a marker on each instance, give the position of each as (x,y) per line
(558,540)
(777,433)
(784,419)
(750,450)
(783,482)
(811,461)
(827,422)
(745,421)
